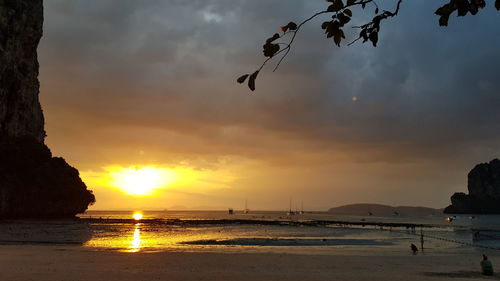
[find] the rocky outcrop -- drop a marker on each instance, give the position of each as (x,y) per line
(33,184)
(483,183)
(20,31)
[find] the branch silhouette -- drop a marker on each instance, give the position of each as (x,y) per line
(342,15)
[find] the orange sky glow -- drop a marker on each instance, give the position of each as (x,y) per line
(141,98)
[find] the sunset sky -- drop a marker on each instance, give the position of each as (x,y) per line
(127,84)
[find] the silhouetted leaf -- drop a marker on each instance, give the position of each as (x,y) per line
(251,80)
(337,5)
(473,9)
(443,20)
(272,38)
(343,19)
(337,39)
(364,35)
(462,7)
(338,36)
(242,78)
(445,10)
(270,49)
(292,26)
(497,5)
(374,38)
(376,10)
(348,12)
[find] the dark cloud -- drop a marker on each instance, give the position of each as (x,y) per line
(127,75)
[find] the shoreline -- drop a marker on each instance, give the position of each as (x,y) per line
(52,262)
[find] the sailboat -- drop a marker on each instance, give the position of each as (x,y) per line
(246,210)
(302,208)
(290,212)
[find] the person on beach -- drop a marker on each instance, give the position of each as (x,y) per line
(486,266)
(414,248)
(477,236)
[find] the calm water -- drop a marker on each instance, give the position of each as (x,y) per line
(117,231)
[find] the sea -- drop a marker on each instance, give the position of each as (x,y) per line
(260,231)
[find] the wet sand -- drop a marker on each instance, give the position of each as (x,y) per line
(74,263)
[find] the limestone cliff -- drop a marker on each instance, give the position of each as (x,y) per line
(483,183)
(32,182)
(20,31)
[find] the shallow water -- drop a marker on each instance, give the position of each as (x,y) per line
(186,231)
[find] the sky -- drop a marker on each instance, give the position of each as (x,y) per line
(128,84)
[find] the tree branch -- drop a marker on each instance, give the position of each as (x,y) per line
(341,16)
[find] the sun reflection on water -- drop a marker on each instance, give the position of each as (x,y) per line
(147,236)
(135,244)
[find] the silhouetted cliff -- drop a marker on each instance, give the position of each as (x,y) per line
(32,182)
(483,183)
(20,31)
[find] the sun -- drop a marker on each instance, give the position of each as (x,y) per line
(137,216)
(140,181)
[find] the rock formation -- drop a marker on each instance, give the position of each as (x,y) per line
(20,31)
(483,183)
(383,210)
(32,182)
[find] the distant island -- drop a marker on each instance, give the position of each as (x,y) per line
(379,209)
(483,184)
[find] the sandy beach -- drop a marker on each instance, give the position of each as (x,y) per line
(74,263)
(81,250)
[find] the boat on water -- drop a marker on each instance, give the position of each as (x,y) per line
(246,210)
(230,211)
(290,212)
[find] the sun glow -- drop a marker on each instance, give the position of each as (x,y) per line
(137,216)
(143,186)
(140,181)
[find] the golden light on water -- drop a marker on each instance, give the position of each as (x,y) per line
(140,181)
(146,237)
(135,244)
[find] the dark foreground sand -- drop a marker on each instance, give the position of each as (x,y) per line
(73,263)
